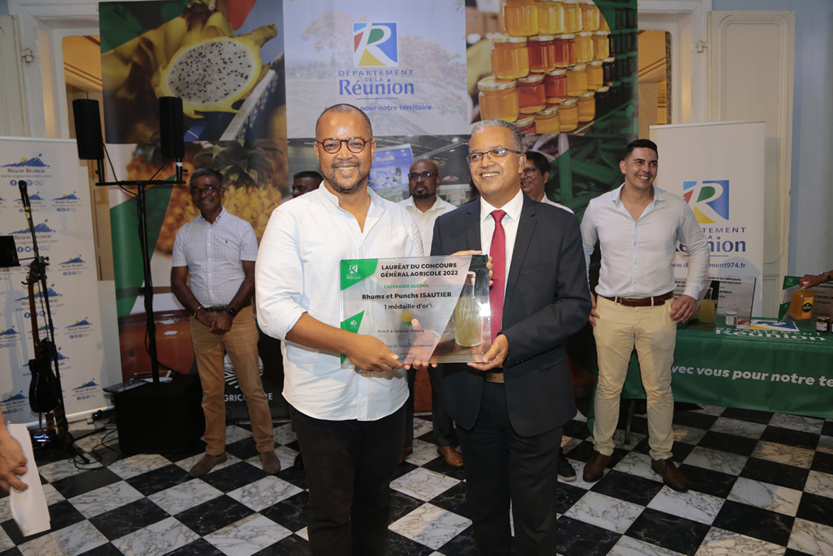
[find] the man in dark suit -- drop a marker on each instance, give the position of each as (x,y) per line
(510,407)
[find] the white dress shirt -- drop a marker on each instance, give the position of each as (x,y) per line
(297,272)
(510,227)
(213,255)
(548,201)
(637,255)
(425,220)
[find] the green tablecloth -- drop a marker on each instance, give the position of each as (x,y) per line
(785,372)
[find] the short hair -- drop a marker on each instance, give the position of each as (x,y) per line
(308,174)
(341,108)
(198,173)
(639,144)
(539,161)
(516,133)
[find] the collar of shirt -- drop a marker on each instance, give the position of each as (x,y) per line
(374,212)
(219,216)
(510,226)
(658,196)
(409,204)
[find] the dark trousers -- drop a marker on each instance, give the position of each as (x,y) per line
(349,466)
(444,434)
(501,465)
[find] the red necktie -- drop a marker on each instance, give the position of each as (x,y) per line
(498,253)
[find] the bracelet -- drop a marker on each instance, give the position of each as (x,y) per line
(197,309)
(827,276)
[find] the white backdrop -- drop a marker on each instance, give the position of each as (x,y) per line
(62,215)
(719,168)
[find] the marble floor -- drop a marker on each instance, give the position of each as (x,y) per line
(761,484)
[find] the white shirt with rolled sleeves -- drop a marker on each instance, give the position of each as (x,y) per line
(425,220)
(213,255)
(637,255)
(297,272)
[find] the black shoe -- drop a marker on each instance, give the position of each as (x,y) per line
(565,470)
(299,462)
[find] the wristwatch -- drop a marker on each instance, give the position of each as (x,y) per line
(231,310)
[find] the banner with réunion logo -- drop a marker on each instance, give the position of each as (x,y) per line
(718,168)
(402,62)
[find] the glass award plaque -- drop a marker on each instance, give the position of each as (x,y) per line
(423,308)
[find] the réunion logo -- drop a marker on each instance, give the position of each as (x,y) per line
(709,200)
(375,45)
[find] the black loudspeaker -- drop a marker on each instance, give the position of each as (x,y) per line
(88,129)
(158,419)
(171,127)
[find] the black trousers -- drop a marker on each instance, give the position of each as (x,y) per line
(349,466)
(502,465)
(444,434)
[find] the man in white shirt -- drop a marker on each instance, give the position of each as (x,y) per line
(424,205)
(638,226)
(349,419)
(534,178)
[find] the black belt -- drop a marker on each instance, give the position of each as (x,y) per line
(495,377)
(217,309)
(640,301)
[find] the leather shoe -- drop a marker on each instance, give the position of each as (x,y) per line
(271,463)
(406,451)
(671,476)
(565,469)
(594,469)
(452,456)
(206,464)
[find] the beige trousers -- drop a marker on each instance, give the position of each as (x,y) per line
(654,335)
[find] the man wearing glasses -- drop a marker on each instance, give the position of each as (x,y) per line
(534,178)
(510,408)
(424,205)
(350,420)
(218,251)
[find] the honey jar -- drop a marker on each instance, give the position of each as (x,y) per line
(525,124)
(576,80)
(520,18)
(609,68)
(498,100)
(586,107)
(565,50)
(602,100)
(584,47)
(601,45)
(595,75)
(568,113)
(541,53)
(572,16)
(531,95)
(554,102)
(547,121)
(822,324)
(801,304)
(510,57)
(550,17)
(555,83)
(590,15)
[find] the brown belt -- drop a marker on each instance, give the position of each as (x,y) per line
(495,378)
(641,301)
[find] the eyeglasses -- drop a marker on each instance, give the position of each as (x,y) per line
(332,145)
(423,175)
(529,172)
(475,157)
(207,190)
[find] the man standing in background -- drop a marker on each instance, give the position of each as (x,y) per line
(638,227)
(534,179)
(424,205)
(304,182)
(218,251)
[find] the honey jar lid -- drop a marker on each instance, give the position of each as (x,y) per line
(566,36)
(603,89)
(568,102)
(492,84)
(539,38)
(554,100)
(557,71)
(532,78)
(507,38)
(602,33)
(523,122)
(548,112)
(595,63)
(587,95)
(610,60)
(585,34)
(578,67)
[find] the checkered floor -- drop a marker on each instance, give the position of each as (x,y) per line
(761,483)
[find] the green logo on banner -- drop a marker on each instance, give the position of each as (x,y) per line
(356,270)
(351,324)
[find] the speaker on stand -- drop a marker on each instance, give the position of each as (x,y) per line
(159,416)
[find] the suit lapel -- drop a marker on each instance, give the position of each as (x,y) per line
(523,241)
(472,226)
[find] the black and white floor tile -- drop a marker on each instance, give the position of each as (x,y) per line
(761,484)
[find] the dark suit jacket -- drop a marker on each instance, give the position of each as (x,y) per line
(547,300)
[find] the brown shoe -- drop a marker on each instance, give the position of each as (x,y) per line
(594,469)
(406,451)
(671,476)
(452,456)
(206,464)
(271,463)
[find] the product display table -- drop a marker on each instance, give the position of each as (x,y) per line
(785,372)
